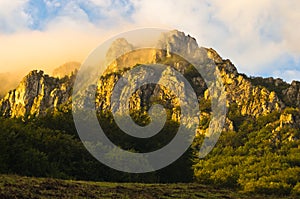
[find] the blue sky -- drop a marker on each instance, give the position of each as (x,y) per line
(43,11)
(261,37)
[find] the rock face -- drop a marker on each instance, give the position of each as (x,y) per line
(66,69)
(128,60)
(178,42)
(292,94)
(252,100)
(35,94)
(38,92)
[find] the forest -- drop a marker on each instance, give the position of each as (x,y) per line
(253,158)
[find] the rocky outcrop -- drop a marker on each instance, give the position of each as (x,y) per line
(292,94)
(252,100)
(133,58)
(66,69)
(118,47)
(35,94)
(177,42)
(38,92)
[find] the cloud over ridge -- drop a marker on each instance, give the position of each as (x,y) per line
(260,37)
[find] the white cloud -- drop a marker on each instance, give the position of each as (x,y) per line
(259,31)
(288,75)
(52,3)
(12,16)
(69,36)
(253,34)
(290,13)
(102,3)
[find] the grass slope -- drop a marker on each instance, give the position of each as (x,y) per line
(27,187)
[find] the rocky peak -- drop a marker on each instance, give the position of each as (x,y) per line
(36,93)
(177,42)
(117,48)
(66,69)
(174,41)
(295,84)
(292,94)
(212,54)
(117,59)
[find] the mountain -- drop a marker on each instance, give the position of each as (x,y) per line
(66,69)
(258,150)
(38,92)
(254,96)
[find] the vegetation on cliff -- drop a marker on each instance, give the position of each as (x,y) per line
(258,151)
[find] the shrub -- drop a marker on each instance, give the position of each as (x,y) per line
(296,189)
(270,188)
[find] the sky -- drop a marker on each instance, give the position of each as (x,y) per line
(261,37)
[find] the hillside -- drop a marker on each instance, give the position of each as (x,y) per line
(258,151)
(254,96)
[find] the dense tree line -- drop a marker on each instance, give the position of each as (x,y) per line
(260,155)
(50,147)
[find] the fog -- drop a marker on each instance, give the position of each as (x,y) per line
(10,81)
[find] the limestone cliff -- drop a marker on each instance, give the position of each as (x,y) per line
(253,100)
(35,94)
(292,94)
(38,92)
(66,69)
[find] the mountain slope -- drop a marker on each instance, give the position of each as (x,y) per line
(38,92)
(258,151)
(66,69)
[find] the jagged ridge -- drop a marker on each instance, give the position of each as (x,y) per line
(38,92)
